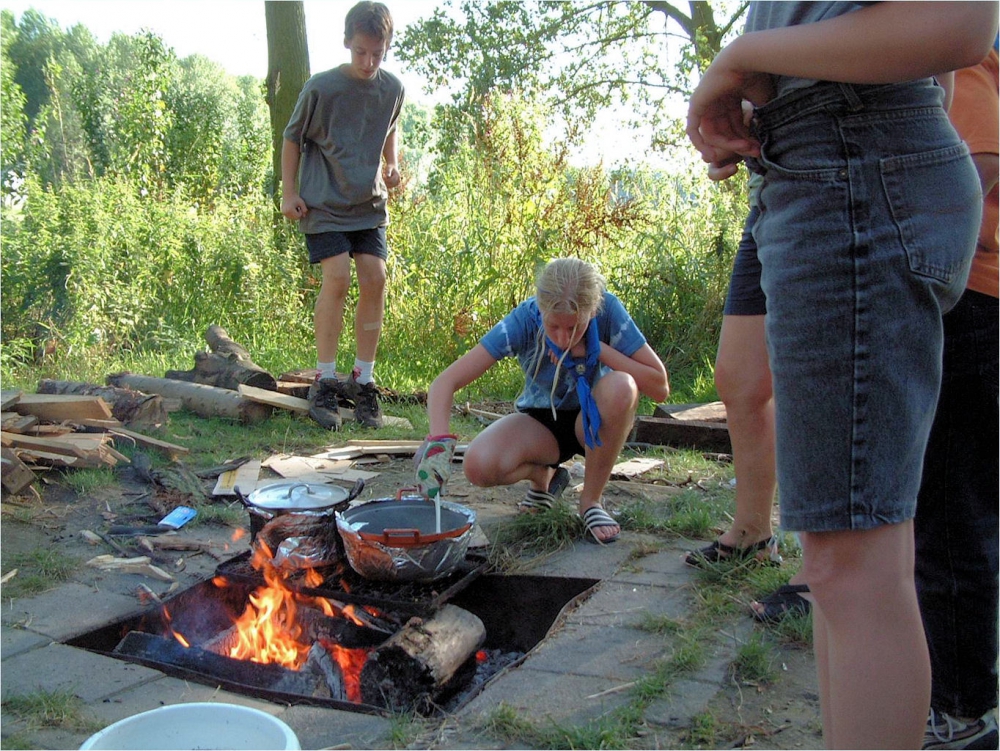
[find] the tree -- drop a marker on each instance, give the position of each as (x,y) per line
(12,119)
(581,57)
(287,69)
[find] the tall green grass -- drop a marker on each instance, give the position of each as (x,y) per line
(99,277)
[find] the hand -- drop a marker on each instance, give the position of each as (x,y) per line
(433,463)
(294,207)
(716,120)
(391,175)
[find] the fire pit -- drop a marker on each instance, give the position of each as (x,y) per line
(330,638)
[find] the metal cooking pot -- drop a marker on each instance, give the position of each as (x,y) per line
(396,539)
(295,521)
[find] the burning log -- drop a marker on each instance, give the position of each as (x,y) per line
(414,666)
(226,366)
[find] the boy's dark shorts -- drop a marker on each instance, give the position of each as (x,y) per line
(563,428)
(745,297)
(324,245)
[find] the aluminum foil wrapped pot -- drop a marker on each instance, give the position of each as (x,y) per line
(397,539)
(295,522)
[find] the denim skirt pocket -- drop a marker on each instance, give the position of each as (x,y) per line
(936,204)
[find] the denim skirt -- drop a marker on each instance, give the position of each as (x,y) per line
(870,209)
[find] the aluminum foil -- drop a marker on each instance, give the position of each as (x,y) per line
(411,563)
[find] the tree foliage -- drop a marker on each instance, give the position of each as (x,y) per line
(581,56)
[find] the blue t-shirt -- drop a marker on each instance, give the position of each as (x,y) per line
(517,335)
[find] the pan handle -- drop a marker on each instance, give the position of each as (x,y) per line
(411,534)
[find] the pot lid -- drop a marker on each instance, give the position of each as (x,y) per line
(292,496)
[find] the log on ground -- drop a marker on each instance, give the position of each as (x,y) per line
(227,366)
(207,401)
(128,406)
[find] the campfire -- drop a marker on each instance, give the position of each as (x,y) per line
(287,635)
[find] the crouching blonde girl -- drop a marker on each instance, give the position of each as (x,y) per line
(585,363)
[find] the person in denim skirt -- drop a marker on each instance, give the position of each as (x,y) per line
(870,208)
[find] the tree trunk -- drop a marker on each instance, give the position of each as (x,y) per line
(227,366)
(128,406)
(207,401)
(287,70)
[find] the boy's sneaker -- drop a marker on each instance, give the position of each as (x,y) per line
(945,731)
(366,409)
(323,402)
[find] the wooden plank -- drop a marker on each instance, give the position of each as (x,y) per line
(709,412)
(33,456)
(15,475)
(244,478)
(635,467)
(294,388)
(50,445)
(347,452)
(273,398)
(56,407)
(8,398)
(172,449)
(665,431)
(12,422)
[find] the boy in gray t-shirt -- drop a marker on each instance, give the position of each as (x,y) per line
(343,125)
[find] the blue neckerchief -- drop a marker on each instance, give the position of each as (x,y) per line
(584,370)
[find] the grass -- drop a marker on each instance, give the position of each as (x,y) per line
(37,572)
(47,709)
(754,663)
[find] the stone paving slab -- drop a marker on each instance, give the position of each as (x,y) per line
(15,641)
(69,610)
(56,667)
(318,727)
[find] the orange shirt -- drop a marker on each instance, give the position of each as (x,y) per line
(974,115)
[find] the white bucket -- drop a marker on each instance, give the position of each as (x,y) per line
(204,725)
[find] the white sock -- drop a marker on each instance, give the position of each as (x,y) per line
(363,371)
(327,369)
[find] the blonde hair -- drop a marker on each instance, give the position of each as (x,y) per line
(566,286)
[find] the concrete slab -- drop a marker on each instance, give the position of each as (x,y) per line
(620,654)
(317,727)
(15,641)
(56,667)
(164,691)
(541,696)
(70,610)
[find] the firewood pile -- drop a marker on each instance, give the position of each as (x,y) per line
(69,424)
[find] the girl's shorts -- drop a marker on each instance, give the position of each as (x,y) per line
(563,427)
(870,208)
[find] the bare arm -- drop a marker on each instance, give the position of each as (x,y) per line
(882,43)
(292,205)
(390,152)
(644,366)
(458,375)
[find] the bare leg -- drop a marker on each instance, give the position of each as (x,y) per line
(328,315)
(514,448)
(871,645)
(371,304)
(743,380)
(617,398)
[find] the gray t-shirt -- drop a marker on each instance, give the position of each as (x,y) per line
(777,15)
(341,124)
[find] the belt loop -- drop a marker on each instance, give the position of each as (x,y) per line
(854,102)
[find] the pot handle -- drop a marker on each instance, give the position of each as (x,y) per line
(409,492)
(411,534)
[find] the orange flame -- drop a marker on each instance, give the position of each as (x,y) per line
(269,631)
